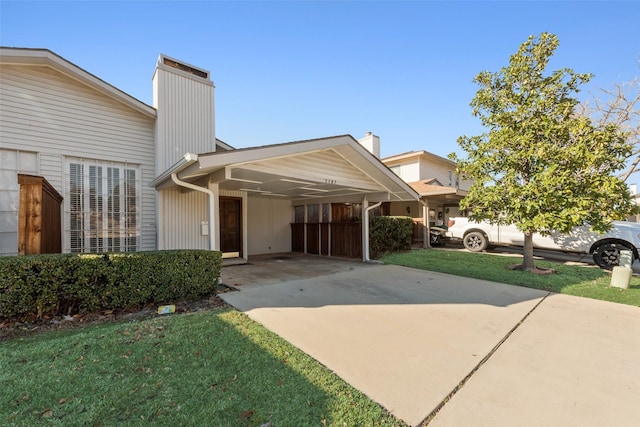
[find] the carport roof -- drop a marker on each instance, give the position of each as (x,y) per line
(332,169)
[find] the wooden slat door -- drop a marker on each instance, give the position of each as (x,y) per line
(231,224)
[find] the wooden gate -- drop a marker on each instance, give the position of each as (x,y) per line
(39,217)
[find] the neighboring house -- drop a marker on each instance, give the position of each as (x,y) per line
(131,177)
(435,179)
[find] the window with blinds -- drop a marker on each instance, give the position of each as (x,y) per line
(103,213)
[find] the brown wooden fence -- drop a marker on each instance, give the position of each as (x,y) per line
(340,239)
(39,217)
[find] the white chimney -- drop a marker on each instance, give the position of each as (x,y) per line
(372,143)
(183,96)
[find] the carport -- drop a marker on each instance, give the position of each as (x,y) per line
(312,196)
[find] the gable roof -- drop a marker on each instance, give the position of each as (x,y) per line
(322,170)
(47,58)
(416,154)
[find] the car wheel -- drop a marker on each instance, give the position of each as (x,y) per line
(475,241)
(607,255)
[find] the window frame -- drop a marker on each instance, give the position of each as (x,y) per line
(102,206)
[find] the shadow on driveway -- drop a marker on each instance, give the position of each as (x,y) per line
(405,337)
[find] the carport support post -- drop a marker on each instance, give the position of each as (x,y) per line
(365,228)
(426,238)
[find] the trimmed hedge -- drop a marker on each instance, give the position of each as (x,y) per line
(37,286)
(389,234)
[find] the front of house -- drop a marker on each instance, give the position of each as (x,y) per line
(440,188)
(132,177)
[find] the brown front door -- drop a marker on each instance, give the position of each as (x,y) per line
(231,224)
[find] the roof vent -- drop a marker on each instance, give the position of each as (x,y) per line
(186,68)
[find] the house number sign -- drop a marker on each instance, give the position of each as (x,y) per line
(329,181)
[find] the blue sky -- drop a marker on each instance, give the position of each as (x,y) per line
(287,71)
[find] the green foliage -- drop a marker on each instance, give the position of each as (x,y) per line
(49,285)
(199,369)
(540,166)
(583,281)
(389,234)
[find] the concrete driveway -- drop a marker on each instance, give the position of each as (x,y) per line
(449,351)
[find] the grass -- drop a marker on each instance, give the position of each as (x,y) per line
(589,282)
(216,368)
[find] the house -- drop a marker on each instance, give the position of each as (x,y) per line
(126,176)
(440,188)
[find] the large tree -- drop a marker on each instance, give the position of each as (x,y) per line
(620,105)
(539,165)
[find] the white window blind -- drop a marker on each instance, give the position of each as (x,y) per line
(103,207)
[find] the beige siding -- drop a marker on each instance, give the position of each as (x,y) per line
(269,226)
(52,167)
(45,111)
(185,122)
(439,171)
(180,215)
(317,166)
(409,172)
(400,209)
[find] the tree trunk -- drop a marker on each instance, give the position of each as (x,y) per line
(527,252)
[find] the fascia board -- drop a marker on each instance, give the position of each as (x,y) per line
(444,192)
(345,145)
(247,155)
(399,158)
(164,179)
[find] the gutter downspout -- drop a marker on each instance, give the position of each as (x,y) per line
(426,230)
(365,246)
(174,178)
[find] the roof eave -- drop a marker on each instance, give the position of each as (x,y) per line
(164,180)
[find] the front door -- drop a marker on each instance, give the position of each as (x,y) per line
(231,225)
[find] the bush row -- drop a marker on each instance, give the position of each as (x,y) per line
(36,286)
(389,234)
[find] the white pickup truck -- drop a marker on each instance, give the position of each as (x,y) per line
(605,248)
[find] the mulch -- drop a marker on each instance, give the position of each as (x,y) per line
(19,329)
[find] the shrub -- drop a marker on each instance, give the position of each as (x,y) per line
(36,286)
(389,234)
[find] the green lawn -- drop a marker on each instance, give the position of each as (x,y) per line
(590,282)
(214,368)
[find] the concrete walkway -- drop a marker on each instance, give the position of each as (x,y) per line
(409,338)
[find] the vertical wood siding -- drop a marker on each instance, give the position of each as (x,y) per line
(180,215)
(45,111)
(185,122)
(39,218)
(269,229)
